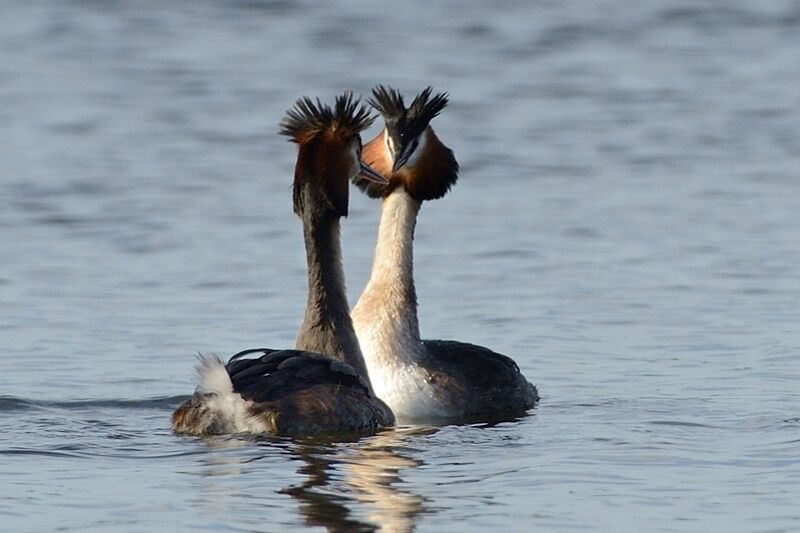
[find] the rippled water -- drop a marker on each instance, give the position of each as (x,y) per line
(626,226)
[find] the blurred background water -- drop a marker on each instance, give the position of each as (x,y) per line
(626,226)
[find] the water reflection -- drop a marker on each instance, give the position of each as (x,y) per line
(347,486)
(367,473)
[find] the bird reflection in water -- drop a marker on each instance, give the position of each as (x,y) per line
(368,474)
(348,485)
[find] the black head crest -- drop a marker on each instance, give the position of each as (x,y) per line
(408,122)
(322,132)
(307,118)
(388,102)
(424,108)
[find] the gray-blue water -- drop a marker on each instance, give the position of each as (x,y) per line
(626,226)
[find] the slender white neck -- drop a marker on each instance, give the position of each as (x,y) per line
(385,318)
(394,253)
(388,305)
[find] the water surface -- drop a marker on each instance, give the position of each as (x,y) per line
(625,226)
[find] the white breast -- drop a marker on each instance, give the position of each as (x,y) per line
(399,381)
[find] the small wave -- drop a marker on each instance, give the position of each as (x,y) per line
(46,453)
(10,403)
(730,17)
(13,403)
(679,423)
(82,453)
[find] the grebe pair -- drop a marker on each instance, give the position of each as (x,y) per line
(323,385)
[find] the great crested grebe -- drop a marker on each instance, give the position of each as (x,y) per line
(321,386)
(420,379)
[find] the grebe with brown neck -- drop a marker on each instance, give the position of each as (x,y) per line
(421,379)
(322,385)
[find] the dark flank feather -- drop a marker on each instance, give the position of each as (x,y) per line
(263,374)
(501,386)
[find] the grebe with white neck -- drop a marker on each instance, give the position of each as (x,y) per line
(322,385)
(421,379)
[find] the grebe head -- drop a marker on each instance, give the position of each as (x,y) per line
(407,149)
(329,153)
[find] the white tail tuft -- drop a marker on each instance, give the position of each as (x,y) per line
(229,411)
(212,377)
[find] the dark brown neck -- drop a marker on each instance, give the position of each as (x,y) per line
(327,328)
